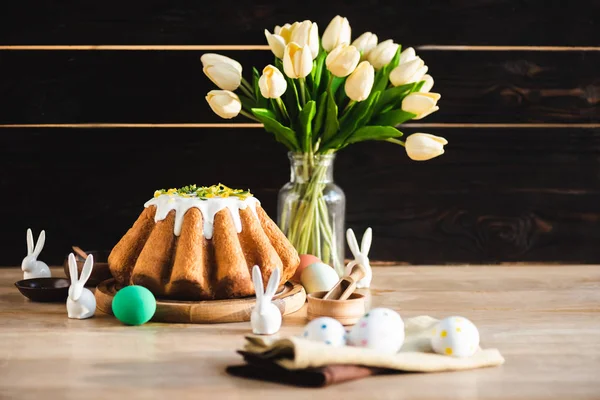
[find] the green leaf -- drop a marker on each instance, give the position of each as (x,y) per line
(261,102)
(417,86)
(317,73)
(335,84)
(356,118)
(320,118)
(332,125)
(305,118)
(393,96)
(374,133)
(394,117)
(283,134)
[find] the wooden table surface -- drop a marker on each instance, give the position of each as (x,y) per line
(545,320)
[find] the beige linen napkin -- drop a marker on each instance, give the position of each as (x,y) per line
(416,355)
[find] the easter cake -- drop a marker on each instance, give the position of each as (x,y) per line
(200,243)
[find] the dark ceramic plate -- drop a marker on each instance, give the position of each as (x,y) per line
(44,289)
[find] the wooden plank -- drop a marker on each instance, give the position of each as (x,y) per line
(497,195)
(68,87)
(543,320)
(458,22)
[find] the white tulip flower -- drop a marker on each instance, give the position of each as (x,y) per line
(421,104)
(360,82)
(209,59)
(407,55)
(408,72)
(423,146)
(428,85)
(383,53)
(307,32)
(342,60)
(337,32)
(297,61)
(286,31)
(365,43)
(276,43)
(224,103)
(272,83)
(225,76)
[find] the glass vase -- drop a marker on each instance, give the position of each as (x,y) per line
(311,209)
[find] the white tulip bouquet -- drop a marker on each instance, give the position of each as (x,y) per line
(332,92)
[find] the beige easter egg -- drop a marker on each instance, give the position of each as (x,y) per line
(318,277)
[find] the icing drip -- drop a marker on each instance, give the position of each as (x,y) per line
(209,208)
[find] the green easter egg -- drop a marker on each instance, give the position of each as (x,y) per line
(134,305)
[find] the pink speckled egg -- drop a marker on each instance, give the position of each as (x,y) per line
(305,261)
(380,329)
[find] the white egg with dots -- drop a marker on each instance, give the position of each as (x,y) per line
(380,329)
(455,336)
(326,330)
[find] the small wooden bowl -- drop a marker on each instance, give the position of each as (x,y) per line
(100,272)
(348,312)
(44,289)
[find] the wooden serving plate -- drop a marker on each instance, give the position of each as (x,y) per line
(290,299)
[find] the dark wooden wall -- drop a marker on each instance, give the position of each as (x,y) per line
(86,135)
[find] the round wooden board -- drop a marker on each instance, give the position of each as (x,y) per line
(288,300)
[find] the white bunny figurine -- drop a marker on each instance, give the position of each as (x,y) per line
(266,317)
(361,256)
(32,268)
(81,303)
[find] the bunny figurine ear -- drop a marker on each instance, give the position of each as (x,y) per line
(273,284)
(40,244)
(72,268)
(258,283)
(29,242)
(87,269)
(365,244)
(352,243)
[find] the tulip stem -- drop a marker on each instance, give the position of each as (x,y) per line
(302,91)
(396,141)
(248,115)
(349,106)
(282,108)
(247,84)
(247,92)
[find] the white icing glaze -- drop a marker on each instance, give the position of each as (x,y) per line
(209,208)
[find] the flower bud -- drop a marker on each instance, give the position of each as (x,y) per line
(360,82)
(225,76)
(342,60)
(272,83)
(421,104)
(383,53)
(297,61)
(224,103)
(276,44)
(409,72)
(365,43)
(307,32)
(209,59)
(428,85)
(407,55)
(337,32)
(423,146)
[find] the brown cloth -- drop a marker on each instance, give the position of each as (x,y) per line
(265,370)
(301,362)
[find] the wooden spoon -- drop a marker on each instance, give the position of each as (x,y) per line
(346,286)
(80,252)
